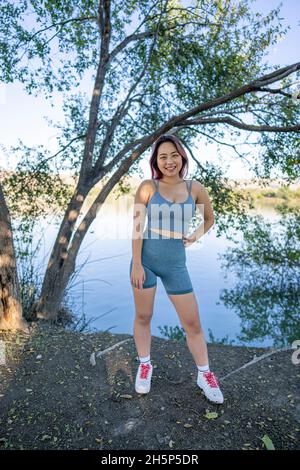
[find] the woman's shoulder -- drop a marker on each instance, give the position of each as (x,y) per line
(200,193)
(145,190)
(196,184)
(197,190)
(147,184)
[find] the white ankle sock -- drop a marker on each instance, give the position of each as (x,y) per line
(145,360)
(203,368)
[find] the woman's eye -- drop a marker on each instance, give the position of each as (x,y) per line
(163,158)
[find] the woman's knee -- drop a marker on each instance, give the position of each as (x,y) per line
(193,328)
(143,318)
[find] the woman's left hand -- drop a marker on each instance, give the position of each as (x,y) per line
(188,240)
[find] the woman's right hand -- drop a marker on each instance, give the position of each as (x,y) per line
(137,275)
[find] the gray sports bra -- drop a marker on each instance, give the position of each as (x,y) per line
(167,215)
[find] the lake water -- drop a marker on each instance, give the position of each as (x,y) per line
(102,289)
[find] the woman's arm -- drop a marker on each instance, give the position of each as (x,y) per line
(139,215)
(203,204)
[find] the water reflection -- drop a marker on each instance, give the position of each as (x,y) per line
(266,294)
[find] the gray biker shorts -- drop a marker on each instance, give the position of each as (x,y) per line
(165,258)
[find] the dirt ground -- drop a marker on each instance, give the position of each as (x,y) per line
(56,394)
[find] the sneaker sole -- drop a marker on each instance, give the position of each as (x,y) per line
(209,399)
(142,392)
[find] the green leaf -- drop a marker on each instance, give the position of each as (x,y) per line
(268,442)
(211,415)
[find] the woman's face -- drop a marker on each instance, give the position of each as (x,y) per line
(169,160)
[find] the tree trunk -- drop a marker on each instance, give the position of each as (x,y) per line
(10,302)
(55,282)
(61,264)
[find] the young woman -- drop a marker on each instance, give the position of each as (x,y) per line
(169,202)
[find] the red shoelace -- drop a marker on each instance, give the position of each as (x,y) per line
(145,368)
(211,379)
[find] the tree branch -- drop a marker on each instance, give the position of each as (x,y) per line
(80,137)
(181,120)
(276,91)
(62,23)
(241,125)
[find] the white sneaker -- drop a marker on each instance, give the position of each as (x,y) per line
(208,382)
(143,378)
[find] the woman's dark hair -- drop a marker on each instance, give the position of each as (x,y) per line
(155,172)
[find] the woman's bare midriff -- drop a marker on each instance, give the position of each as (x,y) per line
(167,233)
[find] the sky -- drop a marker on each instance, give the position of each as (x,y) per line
(22,115)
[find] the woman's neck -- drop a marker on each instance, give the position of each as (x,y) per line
(171,181)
